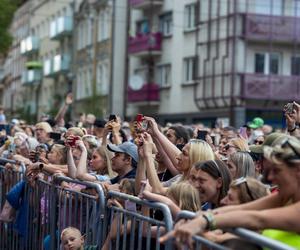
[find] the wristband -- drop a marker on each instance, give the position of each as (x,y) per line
(293,129)
(211,222)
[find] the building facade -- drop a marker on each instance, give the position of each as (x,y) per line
(210,59)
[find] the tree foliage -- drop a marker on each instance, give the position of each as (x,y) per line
(7,9)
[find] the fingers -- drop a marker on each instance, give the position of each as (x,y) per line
(167,236)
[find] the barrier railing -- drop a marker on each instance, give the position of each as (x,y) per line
(45,208)
(78,209)
(8,178)
(243,233)
(135,230)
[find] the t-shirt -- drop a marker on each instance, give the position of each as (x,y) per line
(100,177)
(129,175)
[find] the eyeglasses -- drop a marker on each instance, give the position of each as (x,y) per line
(258,142)
(239,182)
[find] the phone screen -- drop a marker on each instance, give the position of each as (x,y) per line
(201,134)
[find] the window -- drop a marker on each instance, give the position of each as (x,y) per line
(269,7)
(163,75)
(102,78)
(188,69)
(189,17)
(103,25)
(267,63)
(166,24)
(142,27)
(295,67)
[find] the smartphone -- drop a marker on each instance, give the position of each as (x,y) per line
(202,134)
(73,142)
(112,117)
(140,119)
(289,108)
(55,136)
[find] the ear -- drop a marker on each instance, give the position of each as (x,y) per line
(82,238)
(180,141)
(219,182)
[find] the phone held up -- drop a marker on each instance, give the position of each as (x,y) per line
(141,122)
(289,108)
(112,117)
(201,134)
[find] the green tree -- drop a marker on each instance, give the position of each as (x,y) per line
(7,9)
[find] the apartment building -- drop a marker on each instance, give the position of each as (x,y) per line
(48,51)
(99,64)
(211,59)
(14,63)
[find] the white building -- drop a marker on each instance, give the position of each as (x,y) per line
(217,59)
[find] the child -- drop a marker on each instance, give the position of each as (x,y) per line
(71,238)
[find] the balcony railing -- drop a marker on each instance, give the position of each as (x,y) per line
(61,63)
(143,4)
(31,76)
(144,44)
(61,27)
(274,28)
(271,87)
(29,45)
(148,93)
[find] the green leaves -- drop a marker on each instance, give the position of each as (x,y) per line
(7,9)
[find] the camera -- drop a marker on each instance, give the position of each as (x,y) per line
(112,117)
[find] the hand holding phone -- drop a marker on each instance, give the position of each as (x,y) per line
(289,108)
(112,117)
(201,135)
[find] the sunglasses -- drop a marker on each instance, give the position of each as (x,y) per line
(241,181)
(258,142)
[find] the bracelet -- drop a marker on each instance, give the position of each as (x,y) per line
(293,129)
(211,222)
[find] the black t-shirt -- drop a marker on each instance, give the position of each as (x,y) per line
(129,175)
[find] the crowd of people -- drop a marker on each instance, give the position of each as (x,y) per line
(247,177)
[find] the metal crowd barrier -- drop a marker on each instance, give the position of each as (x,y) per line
(8,178)
(243,233)
(140,236)
(77,209)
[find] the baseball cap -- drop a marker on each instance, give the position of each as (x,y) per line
(256,123)
(127,148)
(258,149)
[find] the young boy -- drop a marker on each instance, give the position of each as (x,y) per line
(71,239)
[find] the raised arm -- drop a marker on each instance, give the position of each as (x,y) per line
(72,171)
(82,173)
(171,150)
(61,113)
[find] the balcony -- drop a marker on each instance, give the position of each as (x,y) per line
(48,68)
(148,93)
(145,44)
(61,64)
(61,27)
(272,28)
(31,76)
(144,4)
(271,87)
(34,65)
(29,45)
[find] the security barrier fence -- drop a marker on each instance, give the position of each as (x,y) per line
(46,206)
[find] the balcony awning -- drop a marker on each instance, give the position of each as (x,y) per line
(34,65)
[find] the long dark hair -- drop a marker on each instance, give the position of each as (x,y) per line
(216,169)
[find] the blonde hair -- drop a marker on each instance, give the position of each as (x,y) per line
(249,190)
(185,195)
(200,151)
(107,156)
(62,150)
(76,131)
(67,229)
(128,186)
(240,144)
